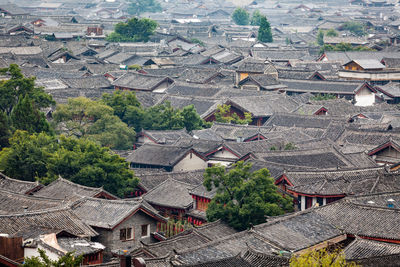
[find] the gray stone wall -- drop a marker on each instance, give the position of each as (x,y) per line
(111,239)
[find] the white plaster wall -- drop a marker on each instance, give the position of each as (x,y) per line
(224,154)
(190,162)
(33,252)
(365,98)
(162,87)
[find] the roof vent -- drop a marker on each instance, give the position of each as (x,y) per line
(390,203)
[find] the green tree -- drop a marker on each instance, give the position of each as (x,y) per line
(344,47)
(27,157)
(197,41)
(321,258)
(191,119)
(240,16)
(82,117)
(137,7)
(163,117)
(5,132)
(264,31)
(224,115)
(289,146)
(354,27)
(25,116)
(134,30)
(256,18)
(320,38)
(44,158)
(243,198)
(331,33)
(320,97)
(84,162)
(68,260)
(159,117)
(20,103)
(17,87)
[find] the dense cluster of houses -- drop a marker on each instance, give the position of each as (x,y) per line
(326,126)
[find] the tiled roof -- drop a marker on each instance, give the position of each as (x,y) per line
(66,190)
(151,180)
(170,193)
(109,213)
(17,186)
(363,248)
(298,231)
(11,202)
(158,155)
(55,219)
(139,81)
(362,220)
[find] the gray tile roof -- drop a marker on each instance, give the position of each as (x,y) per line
(184,240)
(150,180)
(362,220)
(165,136)
(64,189)
(137,81)
(11,202)
(343,183)
(302,121)
(298,231)
(109,213)
(363,248)
(91,82)
(171,193)
(225,247)
(79,245)
(54,219)
(323,87)
(17,186)
(158,155)
(322,158)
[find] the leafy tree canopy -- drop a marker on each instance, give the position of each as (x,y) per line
(344,47)
(354,27)
(5,132)
(20,103)
(44,158)
(331,33)
(17,87)
(320,97)
(320,38)
(243,197)
(137,7)
(256,18)
(82,117)
(68,260)
(321,258)
(159,117)
(264,32)
(224,115)
(134,30)
(240,16)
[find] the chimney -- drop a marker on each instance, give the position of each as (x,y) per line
(390,203)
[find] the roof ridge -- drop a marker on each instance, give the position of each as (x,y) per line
(38,212)
(76,184)
(2,175)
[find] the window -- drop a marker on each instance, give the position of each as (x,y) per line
(126,234)
(145,230)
